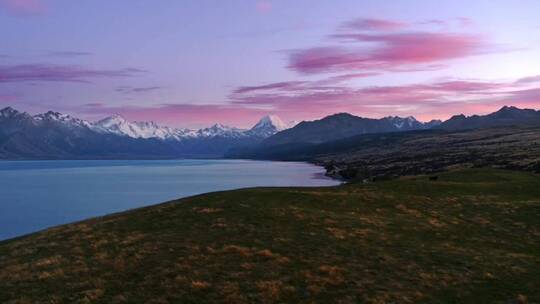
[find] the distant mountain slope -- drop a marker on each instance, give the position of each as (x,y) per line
(53,135)
(343,125)
(309,138)
(506,116)
(417,152)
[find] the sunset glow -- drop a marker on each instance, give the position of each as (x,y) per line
(192,64)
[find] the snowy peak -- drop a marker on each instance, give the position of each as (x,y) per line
(404,123)
(118,125)
(112,121)
(271,121)
(8,112)
(269,125)
(220,130)
(54,116)
(410,123)
(139,129)
(64,119)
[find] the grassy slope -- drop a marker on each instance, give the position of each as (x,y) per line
(470,237)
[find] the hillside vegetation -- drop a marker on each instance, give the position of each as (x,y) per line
(470,236)
(418,152)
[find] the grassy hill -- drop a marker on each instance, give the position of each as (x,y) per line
(469,237)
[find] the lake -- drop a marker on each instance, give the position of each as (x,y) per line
(38,194)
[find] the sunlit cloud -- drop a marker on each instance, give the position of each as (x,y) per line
(439,99)
(386,45)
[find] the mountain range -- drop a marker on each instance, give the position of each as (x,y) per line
(54,135)
(344,125)
(308,138)
(506,116)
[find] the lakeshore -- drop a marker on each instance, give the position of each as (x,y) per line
(468,235)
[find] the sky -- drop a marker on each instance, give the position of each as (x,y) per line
(196,63)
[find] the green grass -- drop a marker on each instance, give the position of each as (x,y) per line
(470,237)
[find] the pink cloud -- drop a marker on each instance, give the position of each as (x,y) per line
(310,101)
(391,52)
(387,45)
(427,101)
(60,73)
(23,7)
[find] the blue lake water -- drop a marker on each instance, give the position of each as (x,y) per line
(38,194)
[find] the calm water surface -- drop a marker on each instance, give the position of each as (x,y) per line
(39,194)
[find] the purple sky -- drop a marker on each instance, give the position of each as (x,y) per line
(193,63)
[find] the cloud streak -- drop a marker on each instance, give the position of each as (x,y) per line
(430,100)
(59,73)
(129,90)
(67,54)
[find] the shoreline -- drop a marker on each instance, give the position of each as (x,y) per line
(143,203)
(313,239)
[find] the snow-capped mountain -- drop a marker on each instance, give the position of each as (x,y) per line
(404,123)
(342,125)
(57,135)
(219,130)
(65,119)
(10,113)
(116,124)
(410,123)
(270,125)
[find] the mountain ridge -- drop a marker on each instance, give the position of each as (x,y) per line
(505,116)
(342,125)
(53,135)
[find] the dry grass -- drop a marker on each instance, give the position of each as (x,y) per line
(469,236)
